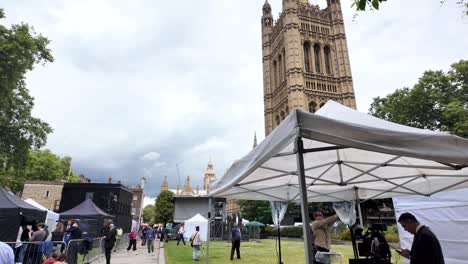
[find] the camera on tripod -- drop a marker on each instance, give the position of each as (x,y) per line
(370,246)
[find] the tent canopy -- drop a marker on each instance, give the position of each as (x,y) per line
(50,214)
(86,209)
(14,213)
(346,155)
(197,220)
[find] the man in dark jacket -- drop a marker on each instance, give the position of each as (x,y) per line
(426,247)
(235,241)
(72,237)
(109,241)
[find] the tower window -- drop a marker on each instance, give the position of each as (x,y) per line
(327,59)
(47,194)
(280,69)
(312,107)
(317,57)
(307,56)
(275,70)
(283,115)
(278,120)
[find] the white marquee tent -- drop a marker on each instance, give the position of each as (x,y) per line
(341,154)
(446,214)
(51,217)
(197,220)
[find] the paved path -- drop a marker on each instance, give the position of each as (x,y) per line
(141,256)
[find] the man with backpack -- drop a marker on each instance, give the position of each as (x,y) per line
(236,238)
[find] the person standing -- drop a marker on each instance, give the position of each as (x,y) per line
(426,248)
(180,234)
(109,241)
(196,244)
(33,254)
(143,235)
(321,228)
(150,237)
(73,233)
(132,240)
(235,241)
(6,254)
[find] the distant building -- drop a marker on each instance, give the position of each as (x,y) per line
(137,200)
(114,199)
(187,190)
(47,193)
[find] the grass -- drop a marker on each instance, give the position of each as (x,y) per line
(261,252)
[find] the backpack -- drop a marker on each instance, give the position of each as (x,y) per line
(86,246)
(236,234)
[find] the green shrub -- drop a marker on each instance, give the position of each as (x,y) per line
(269,231)
(292,231)
(345,234)
(392,238)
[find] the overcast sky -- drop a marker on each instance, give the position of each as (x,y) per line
(140,86)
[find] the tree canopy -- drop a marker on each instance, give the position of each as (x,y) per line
(40,165)
(148,214)
(438,101)
(21,48)
(164,208)
(362,5)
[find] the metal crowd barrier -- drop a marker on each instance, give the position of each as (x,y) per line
(77,251)
(84,250)
(35,252)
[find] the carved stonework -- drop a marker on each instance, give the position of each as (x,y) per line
(305,59)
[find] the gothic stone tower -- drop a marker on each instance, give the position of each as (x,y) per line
(305,59)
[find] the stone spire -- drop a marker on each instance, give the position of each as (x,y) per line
(164,185)
(255,140)
(187,189)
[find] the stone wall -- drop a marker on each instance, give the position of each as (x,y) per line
(47,194)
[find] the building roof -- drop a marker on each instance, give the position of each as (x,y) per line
(46,182)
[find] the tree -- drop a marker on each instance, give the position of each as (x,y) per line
(438,101)
(40,165)
(20,49)
(361,5)
(148,214)
(164,208)
(256,210)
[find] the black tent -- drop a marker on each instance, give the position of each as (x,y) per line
(90,217)
(14,213)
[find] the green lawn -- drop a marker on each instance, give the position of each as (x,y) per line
(262,252)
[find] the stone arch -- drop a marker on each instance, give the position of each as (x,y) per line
(312,106)
(278,120)
(327,55)
(307,64)
(317,57)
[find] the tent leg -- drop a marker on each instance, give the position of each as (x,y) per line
(361,222)
(209,229)
(299,148)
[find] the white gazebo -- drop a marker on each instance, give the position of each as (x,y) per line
(340,154)
(196,220)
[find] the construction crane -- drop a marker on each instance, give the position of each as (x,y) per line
(178,172)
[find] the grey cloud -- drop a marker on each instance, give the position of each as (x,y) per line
(184,79)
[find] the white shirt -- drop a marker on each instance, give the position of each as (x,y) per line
(6,254)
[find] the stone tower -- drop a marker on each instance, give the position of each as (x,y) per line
(305,59)
(209,176)
(164,185)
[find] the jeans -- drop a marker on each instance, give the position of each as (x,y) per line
(235,246)
(108,252)
(196,252)
(179,238)
(150,245)
(143,241)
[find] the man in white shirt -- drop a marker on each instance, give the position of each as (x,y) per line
(180,234)
(6,254)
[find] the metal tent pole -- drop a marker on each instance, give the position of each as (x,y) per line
(209,227)
(299,149)
(279,237)
(356,191)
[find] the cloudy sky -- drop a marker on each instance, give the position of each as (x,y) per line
(140,86)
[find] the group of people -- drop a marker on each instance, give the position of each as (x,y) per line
(150,233)
(425,249)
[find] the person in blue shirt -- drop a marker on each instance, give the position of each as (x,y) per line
(150,236)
